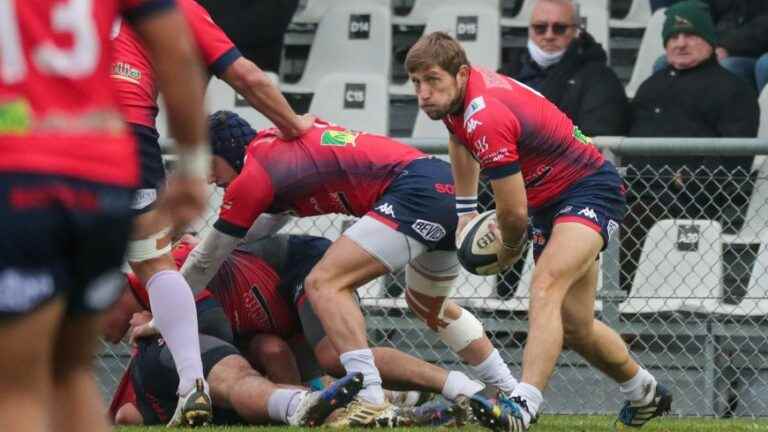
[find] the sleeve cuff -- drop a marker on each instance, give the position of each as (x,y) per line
(230,229)
(147,8)
(224,61)
(502,171)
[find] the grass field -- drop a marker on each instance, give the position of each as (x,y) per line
(554,423)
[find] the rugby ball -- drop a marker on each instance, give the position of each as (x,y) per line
(477,245)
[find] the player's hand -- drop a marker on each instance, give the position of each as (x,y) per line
(304,123)
(185,198)
(141,326)
(506,256)
(464,220)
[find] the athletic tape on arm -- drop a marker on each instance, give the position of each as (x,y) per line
(146,249)
(206,258)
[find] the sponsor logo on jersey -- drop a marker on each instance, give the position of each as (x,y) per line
(15,117)
(103,291)
(143,198)
(338,138)
(472,124)
(481,145)
(37,286)
(588,213)
(125,71)
(475,106)
(431,231)
(580,136)
(386,209)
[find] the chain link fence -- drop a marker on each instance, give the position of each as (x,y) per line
(686,285)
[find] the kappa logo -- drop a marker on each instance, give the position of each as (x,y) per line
(386,209)
(472,124)
(475,106)
(613,226)
(589,213)
(431,231)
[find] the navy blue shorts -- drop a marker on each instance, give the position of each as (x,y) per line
(421,204)
(151,167)
(61,237)
(596,201)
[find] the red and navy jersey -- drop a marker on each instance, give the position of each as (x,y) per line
(328,170)
(247,289)
(510,128)
(58,110)
(132,69)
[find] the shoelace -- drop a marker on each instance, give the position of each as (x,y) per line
(518,402)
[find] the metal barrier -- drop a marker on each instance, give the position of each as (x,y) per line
(686,283)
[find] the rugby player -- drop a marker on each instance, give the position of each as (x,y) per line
(540,166)
(148,253)
(67,171)
(406,204)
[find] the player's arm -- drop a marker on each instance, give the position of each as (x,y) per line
(466,174)
(511,216)
(206,258)
(262,94)
(173,54)
(266,225)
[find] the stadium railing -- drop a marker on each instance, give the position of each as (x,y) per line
(695,313)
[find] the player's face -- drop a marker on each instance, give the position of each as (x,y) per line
(439,93)
(222,172)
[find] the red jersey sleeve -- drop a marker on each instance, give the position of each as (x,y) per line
(216,48)
(249,195)
(134,10)
(492,137)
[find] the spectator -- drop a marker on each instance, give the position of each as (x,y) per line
(256,27)
(742,26)
(693,96)
(567,66)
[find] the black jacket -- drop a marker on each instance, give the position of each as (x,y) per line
(742,26)
(581,84)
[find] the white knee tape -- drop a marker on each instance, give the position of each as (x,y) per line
(432,285)
(462,332)
(146,249)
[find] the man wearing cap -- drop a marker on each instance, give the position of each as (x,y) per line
(693,96)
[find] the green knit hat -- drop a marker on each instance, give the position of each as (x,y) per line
(689,16)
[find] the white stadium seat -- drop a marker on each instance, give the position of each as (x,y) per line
(763,131)
(680,269)
(596,18)
(637,17)
(425,127)
(358,101)
(755,228)
(651,47)
(755,302)
(476,27)
(353,37)
(422,10)
(311,11)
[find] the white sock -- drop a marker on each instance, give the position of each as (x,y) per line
(493,371)
(283,402)
(175,315)
(533,398)
(637,388)
(362,361)
(459,384)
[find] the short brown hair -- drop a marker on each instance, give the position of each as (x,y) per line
(436,49)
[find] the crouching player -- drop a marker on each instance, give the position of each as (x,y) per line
(407,208)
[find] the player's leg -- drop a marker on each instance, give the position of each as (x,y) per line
(273,355)
(149,254)
(25,395)
(430,279)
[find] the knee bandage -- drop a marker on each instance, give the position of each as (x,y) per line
(460,333)
(148,248)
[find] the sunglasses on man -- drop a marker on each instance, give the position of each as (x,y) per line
(558,28)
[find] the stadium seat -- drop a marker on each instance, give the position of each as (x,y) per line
(425,127)
(354,37)
(763,131)
(311,11)
(220,96)
(358,101)
(637,17)
(476,27)
(423,10)
(755,301)
(651,47)
(680,269)
(755,229)
(595,18)
(523,17)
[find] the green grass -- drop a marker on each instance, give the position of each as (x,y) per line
(555,423)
